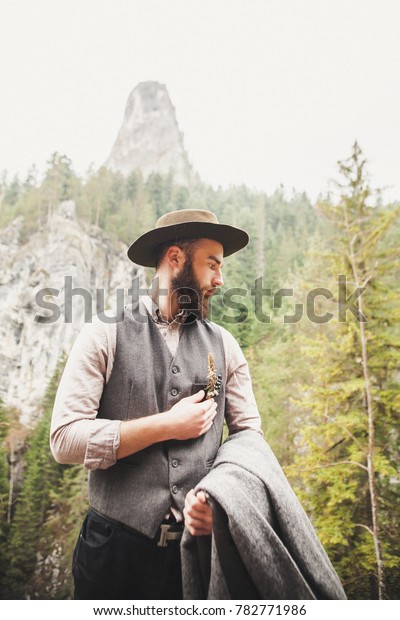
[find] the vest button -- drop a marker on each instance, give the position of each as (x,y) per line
(174,463)
(174,489)
(175,369)
(174,392)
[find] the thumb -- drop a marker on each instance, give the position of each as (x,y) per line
(197,397)
(202,497)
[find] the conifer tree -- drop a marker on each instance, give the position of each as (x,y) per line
(41,475)
(345,465)
(4,490)
(68,503)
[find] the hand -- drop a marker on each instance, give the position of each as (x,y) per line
(198,514)
(191,417)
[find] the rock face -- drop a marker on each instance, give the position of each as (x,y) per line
(67,255)
(149,139)
(63,271)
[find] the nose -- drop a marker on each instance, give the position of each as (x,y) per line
(218,280)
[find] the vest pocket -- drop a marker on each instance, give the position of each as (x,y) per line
(199,385)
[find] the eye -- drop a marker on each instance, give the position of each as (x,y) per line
(212,265)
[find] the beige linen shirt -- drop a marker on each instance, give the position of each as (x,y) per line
(78,436)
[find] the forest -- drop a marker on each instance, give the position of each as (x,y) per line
(314,303)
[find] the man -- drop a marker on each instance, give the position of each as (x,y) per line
(136,407)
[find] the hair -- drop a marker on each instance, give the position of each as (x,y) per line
(188,247)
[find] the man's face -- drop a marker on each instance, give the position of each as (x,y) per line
(200,277)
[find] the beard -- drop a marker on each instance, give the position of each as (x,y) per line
(191,297)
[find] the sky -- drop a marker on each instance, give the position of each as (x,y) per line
(266,92)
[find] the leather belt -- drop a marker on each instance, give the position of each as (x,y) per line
(167,532)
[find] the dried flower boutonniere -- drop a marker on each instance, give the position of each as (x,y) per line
(213,379)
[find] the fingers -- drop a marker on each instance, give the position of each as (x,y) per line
(197,398)
(206,416)
(209,414)
(199,524)
(198,514)
(198,528)
(197,504)
(199,531)
(193,419)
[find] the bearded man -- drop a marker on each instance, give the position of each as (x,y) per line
(142,404)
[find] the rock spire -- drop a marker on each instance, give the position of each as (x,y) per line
(149,139)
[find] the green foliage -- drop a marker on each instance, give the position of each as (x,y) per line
(339,437)
(12,192)
(275,372)
(36,547)
(4,487)
(4,426)
(68,503)
(35,201)
(41,474)
(308,377)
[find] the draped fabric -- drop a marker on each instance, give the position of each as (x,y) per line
(263,544)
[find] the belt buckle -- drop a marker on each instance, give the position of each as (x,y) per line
(163,535)
(166,535)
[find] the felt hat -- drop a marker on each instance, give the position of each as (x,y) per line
(185,224)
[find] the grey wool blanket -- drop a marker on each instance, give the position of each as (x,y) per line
(263,544)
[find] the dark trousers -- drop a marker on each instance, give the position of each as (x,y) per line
(112,562)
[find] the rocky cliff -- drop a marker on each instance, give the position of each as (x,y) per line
(149,139)
(67,255)
(48,269)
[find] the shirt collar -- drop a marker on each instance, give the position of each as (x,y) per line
(154,311)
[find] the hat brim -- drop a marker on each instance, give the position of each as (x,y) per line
(143,250)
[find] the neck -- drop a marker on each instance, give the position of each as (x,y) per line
(162,295)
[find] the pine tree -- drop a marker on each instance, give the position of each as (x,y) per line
(60,182)
(41,475)
(68,503)
(346,464)
(4,490)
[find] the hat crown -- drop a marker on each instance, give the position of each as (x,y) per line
(184,216)
(185,224)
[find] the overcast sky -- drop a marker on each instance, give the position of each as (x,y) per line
(266,91)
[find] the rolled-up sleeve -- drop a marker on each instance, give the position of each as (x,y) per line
(76,434)
(241,411)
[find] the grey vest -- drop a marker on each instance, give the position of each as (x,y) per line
(146,379)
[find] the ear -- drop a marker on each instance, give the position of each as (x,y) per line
(175,256)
